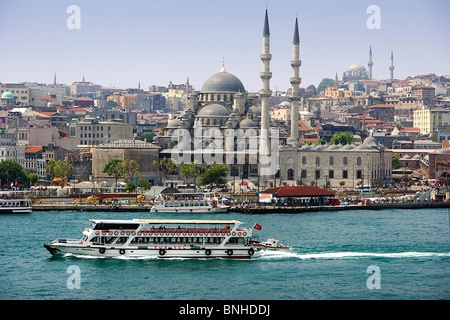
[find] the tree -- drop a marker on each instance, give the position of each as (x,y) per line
(143,184)
(325,83)
(396,163)
(130,187)
(146,136)
(190,170)
(114,167)
(342,138)
(130,169)
(166,166)
(214,175)
(62,169)
(12,172)
(111,104)
(312,87)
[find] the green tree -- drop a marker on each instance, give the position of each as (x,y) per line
(130,169)
(214,175)
(49,169)
(111,104)
(12,172)
(342,138)
(166,166)
(130,187)
(325,83)
(143,184)
(190,170)
(114,167)
(62,169)
(146,136)
(312,87)
(396,163)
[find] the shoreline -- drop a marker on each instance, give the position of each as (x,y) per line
(248,209)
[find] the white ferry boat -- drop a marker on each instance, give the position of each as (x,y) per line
(160,238)
(15,202)
(188,203)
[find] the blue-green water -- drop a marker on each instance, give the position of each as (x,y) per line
(330,256)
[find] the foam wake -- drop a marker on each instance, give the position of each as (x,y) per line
(267,254)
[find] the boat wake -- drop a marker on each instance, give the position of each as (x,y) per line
(274,254)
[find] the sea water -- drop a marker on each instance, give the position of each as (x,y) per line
(364,254)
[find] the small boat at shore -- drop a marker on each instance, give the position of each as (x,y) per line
(15,202)
(272,244)
(189,203)
(161,239)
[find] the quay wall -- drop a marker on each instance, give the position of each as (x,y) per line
(247,209)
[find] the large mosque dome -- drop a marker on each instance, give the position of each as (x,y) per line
(222,82)
(357,67)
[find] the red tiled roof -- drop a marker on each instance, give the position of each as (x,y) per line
(301,191)
(33,149)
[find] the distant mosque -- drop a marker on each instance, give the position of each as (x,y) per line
(357,72)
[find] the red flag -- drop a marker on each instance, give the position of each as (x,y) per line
(257,226)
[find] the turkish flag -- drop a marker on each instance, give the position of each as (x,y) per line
(257,226)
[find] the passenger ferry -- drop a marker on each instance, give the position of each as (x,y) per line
(189,203)
(160,238)
(15,202)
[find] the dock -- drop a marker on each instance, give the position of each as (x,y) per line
(248,209)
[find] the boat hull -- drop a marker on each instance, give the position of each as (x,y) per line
(153,251)
(15,210)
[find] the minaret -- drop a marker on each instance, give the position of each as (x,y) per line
(336,81)
(295,81)
(54,79)
(265,93)
(370,63)
(391,68)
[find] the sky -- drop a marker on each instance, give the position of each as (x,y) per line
(121,43)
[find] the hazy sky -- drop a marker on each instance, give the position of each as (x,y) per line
(122,42)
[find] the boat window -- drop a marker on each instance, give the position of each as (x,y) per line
(116,226)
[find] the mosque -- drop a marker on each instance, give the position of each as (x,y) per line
(223,105)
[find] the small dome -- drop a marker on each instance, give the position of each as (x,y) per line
(214,110)
(370,142)
(7,95)
(348,147)
(172,124)
(222,82)
(406,157)
(256,111)
(417,157)
(247,123)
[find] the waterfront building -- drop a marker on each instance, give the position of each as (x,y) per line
(90,131)
(144,153)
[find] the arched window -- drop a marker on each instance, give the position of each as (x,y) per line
(304,160)
(318,161)
(358,161)
(331,161)
(345,161)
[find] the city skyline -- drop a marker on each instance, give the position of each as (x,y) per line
(154,43)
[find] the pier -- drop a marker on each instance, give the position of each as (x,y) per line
(248,209)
